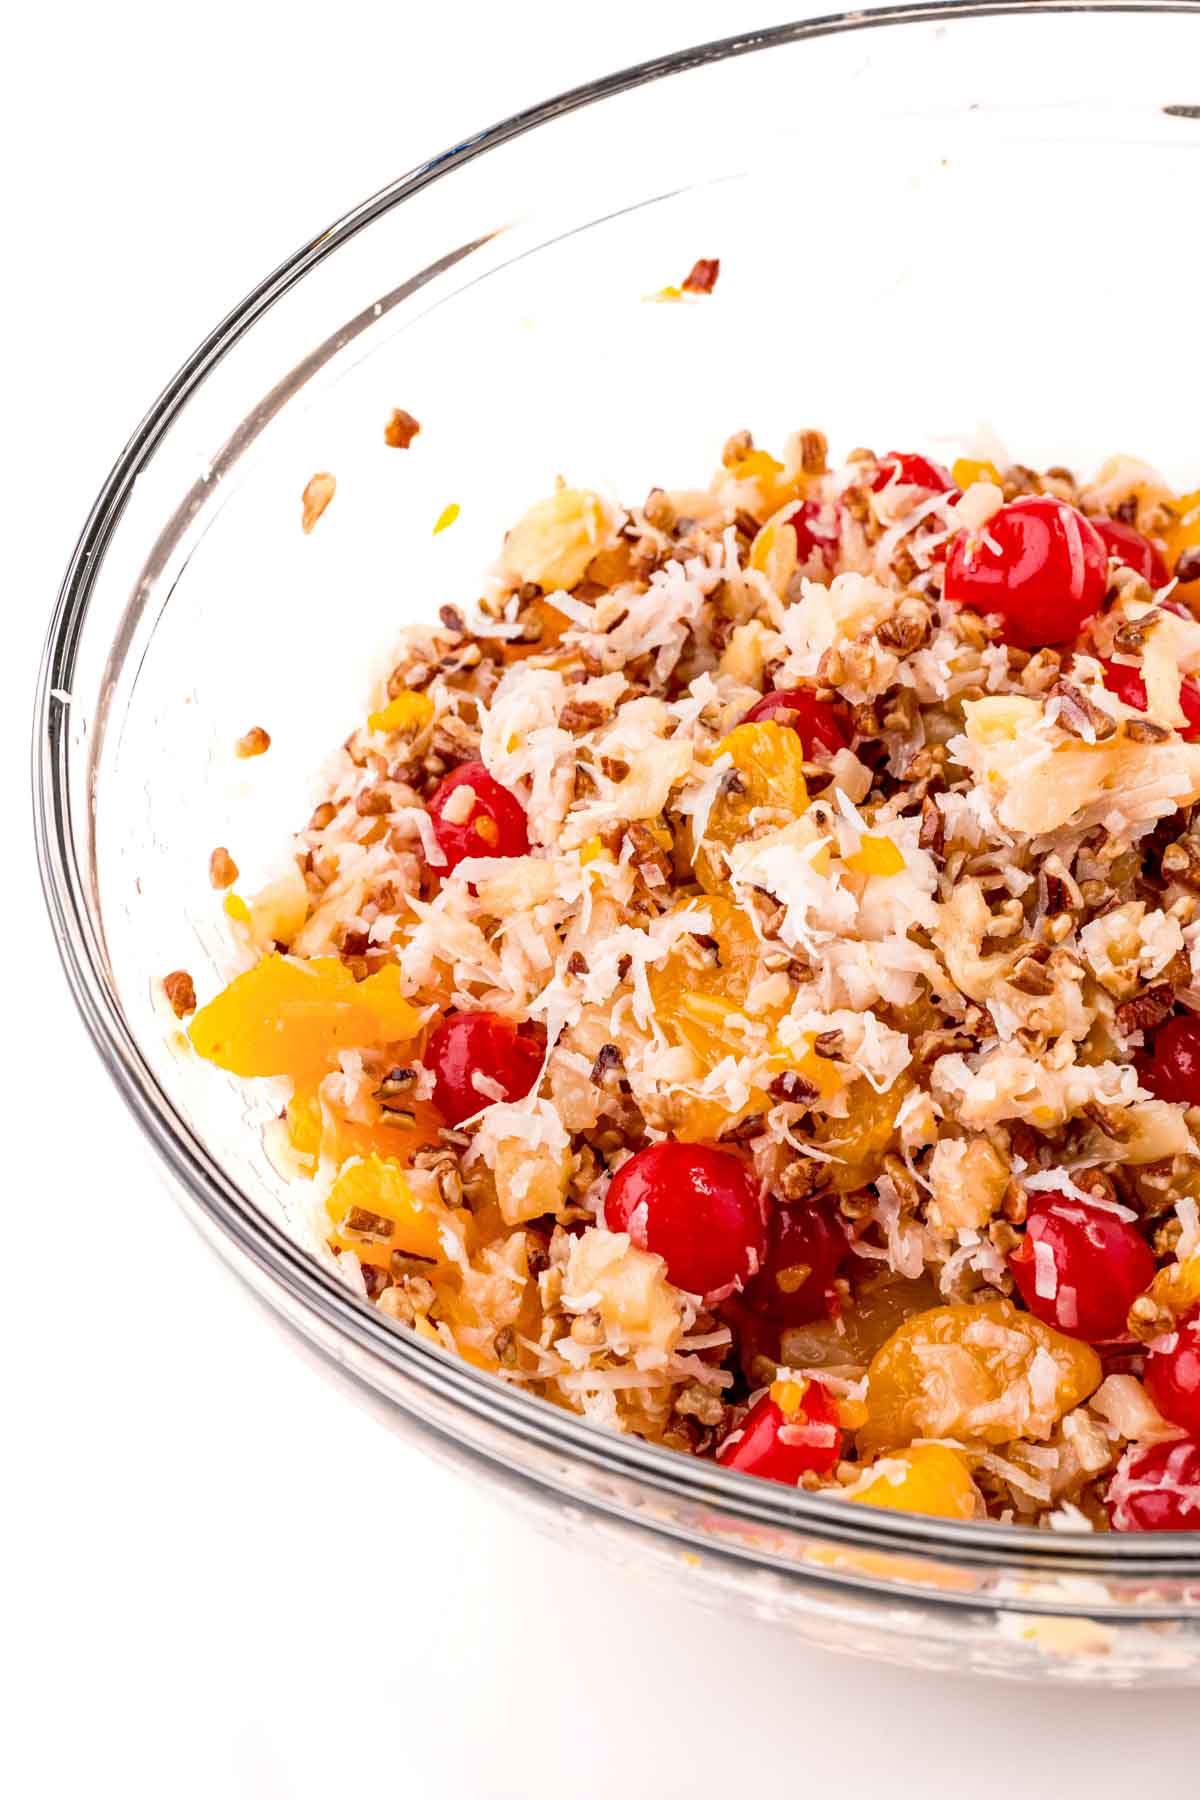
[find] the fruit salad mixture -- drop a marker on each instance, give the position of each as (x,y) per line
(742,980)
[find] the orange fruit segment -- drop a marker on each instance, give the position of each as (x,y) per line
(927,1478)
(1183,535)
(985,1372)
(700,1004)
(373,1211)
(764,789)
(314,1130)
(287,1017)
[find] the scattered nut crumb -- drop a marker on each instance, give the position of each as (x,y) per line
(400,429)
(222,870)
(255,742)
(181,992)
(316,498)
(702,278)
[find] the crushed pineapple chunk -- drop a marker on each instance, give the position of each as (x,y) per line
(557,539)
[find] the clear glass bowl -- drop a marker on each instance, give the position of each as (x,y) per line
(926,219)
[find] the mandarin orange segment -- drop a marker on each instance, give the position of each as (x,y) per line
(315,1130)
(927,1478)
(373,1211)
(861,1140)
(986,1372)
(764,789)
(1184,534)
(287,1017)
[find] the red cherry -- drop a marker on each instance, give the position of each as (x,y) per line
(822,724)
(800,1238)
(1157,1489)
(1039,564)
(1173,1373)
(1127,684)
(1080,1267)
(1134,550)
(494,826)
(1170,1068)
(814,533)
(907,469)
(781,1446)
(469,1044)
(696,1207)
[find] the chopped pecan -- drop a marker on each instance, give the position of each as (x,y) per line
(1130,634)
(222,870)
(181,992)
(316,497)
(932,835)
(400,429)
(1145,731)
(582,715)
(1181,861)
(608,1060)
(813,450)
(792,1086)
(1080,715)
(908,627)
(1145,1011)
(254,743)
(800,1179)
(702,277)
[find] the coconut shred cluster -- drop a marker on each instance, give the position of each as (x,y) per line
(741,983)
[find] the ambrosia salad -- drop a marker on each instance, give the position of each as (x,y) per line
(742,981)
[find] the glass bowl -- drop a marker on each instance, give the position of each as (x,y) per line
(928,219)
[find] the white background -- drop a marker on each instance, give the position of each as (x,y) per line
(185,1607)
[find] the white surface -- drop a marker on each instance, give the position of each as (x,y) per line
(184,1606)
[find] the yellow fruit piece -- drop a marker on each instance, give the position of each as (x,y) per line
(287,1017)
(1000,718)
(447,517)
(409,713)
(928,1478)
(278,911)
(544,626)
(315,1130)
(876,856)
(1177,1287)
(986,1372)
(768,790)
(966,470)
(771,478)
(789,1395)
(396,1019)
(373,1211)
(557,538)
(1184,534)
(864,1137)
(773,552)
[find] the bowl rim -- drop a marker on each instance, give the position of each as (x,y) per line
(267,1247)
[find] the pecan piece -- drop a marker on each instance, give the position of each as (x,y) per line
(1146,1011)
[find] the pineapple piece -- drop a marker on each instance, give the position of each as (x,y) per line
(557,539)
